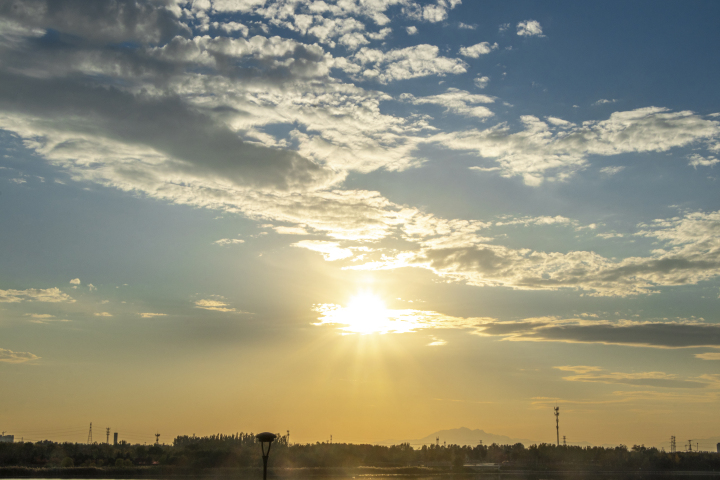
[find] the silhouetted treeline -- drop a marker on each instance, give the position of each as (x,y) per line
(241,450)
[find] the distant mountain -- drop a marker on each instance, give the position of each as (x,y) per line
(462,436)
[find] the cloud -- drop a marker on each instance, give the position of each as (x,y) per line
(545,151)
(529,28)
(481,82)
(51,295)
(456,101)
(151,315)
(331,251)
(92,287)
(700,161)
(75,281)
(103,21)
(628,333)
(8,356)
(102,314)
(708,356)
(43,318)
(404,63)
(652,379)
(612,170)
(214,305)
(282,230)
(228,241)
(478,49)
(604,101)
(412,30)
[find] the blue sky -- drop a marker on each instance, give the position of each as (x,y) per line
(383,213)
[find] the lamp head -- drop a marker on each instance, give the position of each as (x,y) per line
(265,437)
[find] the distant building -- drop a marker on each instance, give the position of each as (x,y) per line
(7,438)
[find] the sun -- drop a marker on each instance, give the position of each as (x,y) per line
(364,314)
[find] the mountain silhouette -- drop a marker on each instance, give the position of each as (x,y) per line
(462,436)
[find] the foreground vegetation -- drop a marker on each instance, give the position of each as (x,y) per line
(241,451)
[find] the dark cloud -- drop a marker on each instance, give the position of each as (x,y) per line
(196,143)
(659,335)
(107,21)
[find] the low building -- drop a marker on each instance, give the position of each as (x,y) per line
(7,438)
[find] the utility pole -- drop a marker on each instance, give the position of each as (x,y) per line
(89,441)
(690,445)
(288,437)
(557,424)
(672,444)
(107,435)
(437,441)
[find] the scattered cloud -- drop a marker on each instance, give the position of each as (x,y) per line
(8,356)
(700,161)
(51,295)
(603,101)
(456,101)
(612,170)
(228,241)
(503,27)
(651,379)
(401,64)
(708,356)
(151,315)
(331,251)
(481,82)
(465,26)
(474,51)
(92,287)
(43,318)
(102,314)
(75,281)
(529,28)
(214,305)
(412,30)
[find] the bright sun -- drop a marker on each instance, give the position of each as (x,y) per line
(365,313)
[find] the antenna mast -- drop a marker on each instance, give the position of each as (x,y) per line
(557,424)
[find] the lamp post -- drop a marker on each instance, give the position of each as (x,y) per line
(263,438)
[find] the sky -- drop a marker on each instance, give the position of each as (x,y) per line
(371,219)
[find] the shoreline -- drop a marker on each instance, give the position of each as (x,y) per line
(153,472)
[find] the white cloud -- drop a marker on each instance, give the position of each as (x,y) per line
(503,27)
(8,356)
(75,281)
(700,161)
(330,250)
(603,101)
(529,28)
(151,315)
(228,241)
(465,26)
(102,314)
(612,170)
(456,101)
(541,152)
(214,305)
(43,318)
(474,51)
(404,63)
(481,82)
(92,287)
(412,30)
(51,295)
(282,230)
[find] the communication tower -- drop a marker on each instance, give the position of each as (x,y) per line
(288,437)
(89,441)
(672,444)
(689,445)
(107,435)
(557,424)
(157,439)
(564,441)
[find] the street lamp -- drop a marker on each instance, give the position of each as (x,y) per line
(263,438)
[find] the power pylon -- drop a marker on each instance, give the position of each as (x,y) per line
(107,435)
(157,439)
(89,441)
(690,445)
(564,441)
(437,441)
(557,424)
(672,444)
